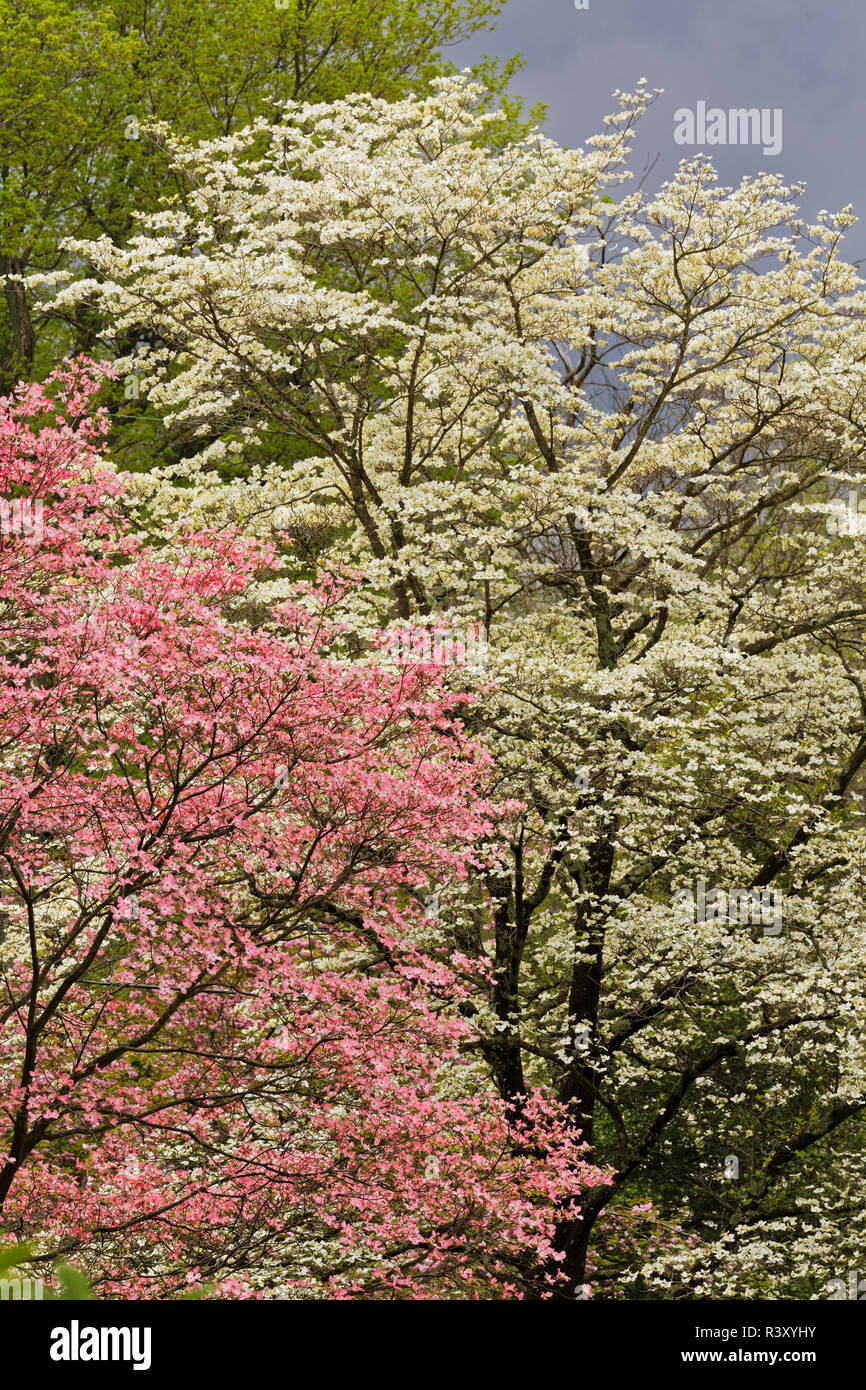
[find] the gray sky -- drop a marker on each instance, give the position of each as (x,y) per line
(807,57)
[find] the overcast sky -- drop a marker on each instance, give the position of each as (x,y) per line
(807,57)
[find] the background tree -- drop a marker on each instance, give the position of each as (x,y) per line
(55,63)
(79,80)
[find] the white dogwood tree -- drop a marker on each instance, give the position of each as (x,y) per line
(607,427)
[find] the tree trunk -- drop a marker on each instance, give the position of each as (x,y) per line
(579,1084)
(23,341)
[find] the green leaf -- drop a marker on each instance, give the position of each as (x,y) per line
(12,1255)
(73,1285)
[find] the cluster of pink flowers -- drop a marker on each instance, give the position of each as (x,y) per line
(230,1048)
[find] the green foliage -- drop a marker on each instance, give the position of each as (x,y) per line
(70,1285)
(13,1255)
(81,79)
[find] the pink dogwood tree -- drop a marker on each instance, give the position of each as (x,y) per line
(232,1043)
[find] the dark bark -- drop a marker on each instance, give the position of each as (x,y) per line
(22,340)
(580,1081)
